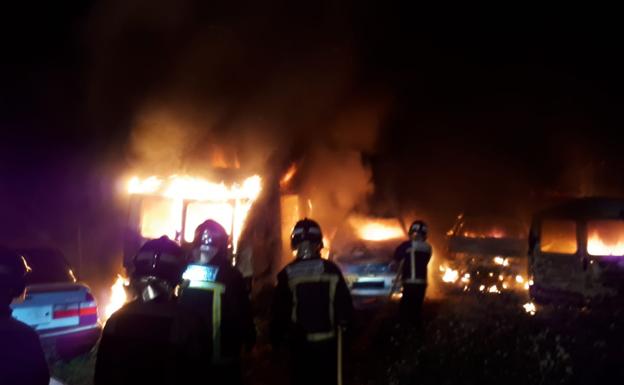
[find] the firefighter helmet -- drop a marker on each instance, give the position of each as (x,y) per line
(210,239)
(306,230)
(160,258)
(13,272)
(419,228)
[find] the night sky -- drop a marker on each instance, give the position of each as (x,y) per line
(471,106)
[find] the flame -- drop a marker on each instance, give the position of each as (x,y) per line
(228,205)
(450,275)
(290,173)
(463,279)
(376,229)
(530,308)
(493,289)
(117,296)
(326,247)
(501,261)
(598,246)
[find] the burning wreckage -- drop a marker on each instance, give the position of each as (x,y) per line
(485,253)
(363,248)
(257,213)
(576,252)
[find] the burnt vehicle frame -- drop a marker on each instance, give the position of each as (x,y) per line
(579,277)
(484,251)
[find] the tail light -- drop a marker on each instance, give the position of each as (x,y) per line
(88,307)
(86,310)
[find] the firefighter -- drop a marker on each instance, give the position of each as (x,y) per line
(311,307)
(413,257)
(216,291)
(152,339)
(22,360)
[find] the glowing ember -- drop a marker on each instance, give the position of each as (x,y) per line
(482,287)
(396,296)
(466,278)
(117,296)
(163,207)
(494,233)
(450,275)
(530,308)
(493,289)
(519,279)
(376,229)
(501,261)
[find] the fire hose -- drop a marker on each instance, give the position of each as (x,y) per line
(339,357)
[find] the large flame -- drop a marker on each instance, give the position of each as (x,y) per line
(599,246)
(376,229)
(117,296)
(163,213)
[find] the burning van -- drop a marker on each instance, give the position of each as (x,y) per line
(576,251)
(486,253)
(175,206)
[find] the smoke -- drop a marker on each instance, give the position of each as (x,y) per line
(217,86)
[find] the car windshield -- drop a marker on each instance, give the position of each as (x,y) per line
(48,266)
(366,252)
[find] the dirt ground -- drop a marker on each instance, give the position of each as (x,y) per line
(463,338)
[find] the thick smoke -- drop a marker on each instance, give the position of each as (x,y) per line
(260,88)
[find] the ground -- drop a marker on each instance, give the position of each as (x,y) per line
(463,338)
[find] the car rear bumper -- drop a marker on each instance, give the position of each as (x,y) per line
(71,342)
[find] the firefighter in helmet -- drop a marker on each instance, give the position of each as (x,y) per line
(312,304)
(216,291)
(152,339)
(413,257)
(22,360)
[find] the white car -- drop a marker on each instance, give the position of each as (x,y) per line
(369,270)
(60,309)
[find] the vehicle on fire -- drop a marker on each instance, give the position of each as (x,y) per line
(576,252)
(62,310)
(485,253)
(364,250)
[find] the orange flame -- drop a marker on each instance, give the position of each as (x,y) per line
(376,229)
(117,296)
(290,173)
(228,205)
(598,246)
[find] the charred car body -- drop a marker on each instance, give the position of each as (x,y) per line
(485,253)
(576,251)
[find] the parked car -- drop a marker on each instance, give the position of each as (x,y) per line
(62,310)
(368,267)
